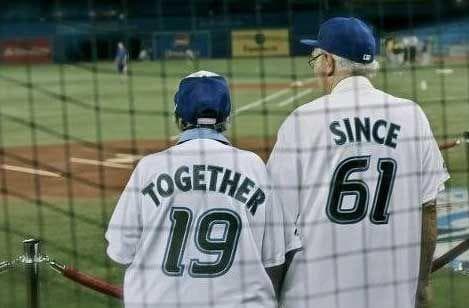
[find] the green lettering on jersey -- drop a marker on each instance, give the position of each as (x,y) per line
(183,183)
(257,199)
(148,190)
(228,182)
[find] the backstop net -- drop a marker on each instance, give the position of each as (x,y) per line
(75,123)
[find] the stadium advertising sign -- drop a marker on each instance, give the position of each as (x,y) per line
(249,43)
(36,50)
(182,45)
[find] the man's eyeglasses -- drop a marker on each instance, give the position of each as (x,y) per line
(313,59)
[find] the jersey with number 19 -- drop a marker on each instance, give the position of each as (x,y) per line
(355,167)
(197,224)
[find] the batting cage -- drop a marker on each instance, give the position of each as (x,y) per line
(196,153)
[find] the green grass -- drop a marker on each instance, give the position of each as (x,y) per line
(86,251)
(153,85)
(151,90)
(450,289)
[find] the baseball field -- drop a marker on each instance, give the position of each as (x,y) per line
(70,135)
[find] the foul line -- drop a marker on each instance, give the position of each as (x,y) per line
(124,158)
(262,100)
(98,163)
(293,98)
(30,171)
(269,97)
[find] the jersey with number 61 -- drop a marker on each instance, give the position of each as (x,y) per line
(355,167)
(198,224)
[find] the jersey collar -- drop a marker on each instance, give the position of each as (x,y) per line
(202,133)
(352,83)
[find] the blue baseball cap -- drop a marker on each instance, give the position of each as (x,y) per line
(203,98)
(349,38)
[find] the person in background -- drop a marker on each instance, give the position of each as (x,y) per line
(122,60)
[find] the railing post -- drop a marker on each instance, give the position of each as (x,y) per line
(32,258)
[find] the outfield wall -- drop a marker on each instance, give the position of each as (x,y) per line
(72,40)
(75,41)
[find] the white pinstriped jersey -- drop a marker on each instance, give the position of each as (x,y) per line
(198,224)
(355,167)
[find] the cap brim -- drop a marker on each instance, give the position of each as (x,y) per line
(312,43)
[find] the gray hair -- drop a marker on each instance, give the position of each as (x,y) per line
(350,67)
(354,68)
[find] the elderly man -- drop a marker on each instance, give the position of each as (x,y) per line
(360,169)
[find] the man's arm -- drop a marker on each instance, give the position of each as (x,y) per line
(277,273)
(428,243)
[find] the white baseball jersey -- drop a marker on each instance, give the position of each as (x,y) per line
(355,167)
(198,224)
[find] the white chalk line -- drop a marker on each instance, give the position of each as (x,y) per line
(294,98)
(271,96)
(262,100)
(444,71)
(93,162)
(121,158)
(30,171)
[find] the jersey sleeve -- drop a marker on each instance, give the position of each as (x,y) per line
(284,170)
(280,234)
(125,227)
(284,181)
(434,173)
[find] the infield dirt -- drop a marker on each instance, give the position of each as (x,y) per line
(84,170)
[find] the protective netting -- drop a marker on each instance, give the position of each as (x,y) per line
(74,124)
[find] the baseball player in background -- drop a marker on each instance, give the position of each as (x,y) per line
(360,169)
(198,224)
(122,60)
